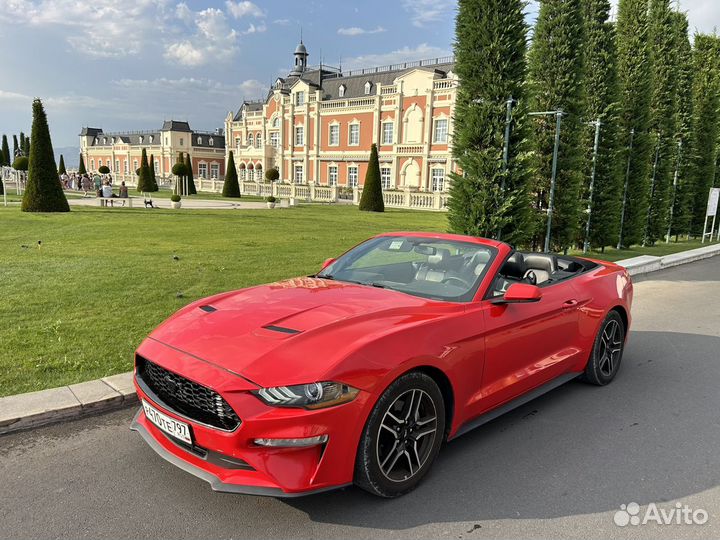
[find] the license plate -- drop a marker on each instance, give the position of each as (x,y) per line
(174,428)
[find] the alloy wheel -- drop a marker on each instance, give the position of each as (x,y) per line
(610,347)
(407,434)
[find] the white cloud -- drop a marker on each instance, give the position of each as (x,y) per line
(102,28)
(357,31)
(423,12)
(406,54)
(252,29)
(184,13)
(243,9)
(282,22)
(213,41)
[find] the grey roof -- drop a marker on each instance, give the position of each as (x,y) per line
(202,140)
(175,125)
(132,138)
(249,106)
(90,131)
(355,84)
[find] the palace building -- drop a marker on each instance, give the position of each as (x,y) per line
(316,126)
(121,152)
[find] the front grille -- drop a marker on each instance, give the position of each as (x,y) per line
(188,398)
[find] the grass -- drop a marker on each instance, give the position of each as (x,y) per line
(76,308)
(658,250)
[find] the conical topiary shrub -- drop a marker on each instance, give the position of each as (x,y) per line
(44,192)
(144,181)
(372,197)
(231,188)
(190,180)
(151,164)
(61,166)
(81,168)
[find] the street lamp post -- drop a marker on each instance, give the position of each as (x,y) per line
(652,191)
(551,199)
(597,124)
(506,149)
(674,195)
(627,179)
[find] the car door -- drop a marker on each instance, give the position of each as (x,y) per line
(528,344)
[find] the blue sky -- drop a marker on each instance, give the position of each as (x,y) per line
(130,64)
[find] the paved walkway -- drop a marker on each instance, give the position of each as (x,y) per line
(186,203)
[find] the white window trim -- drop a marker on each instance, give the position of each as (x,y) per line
(390,180)
(443,179)
(385,122)
(434,129)
(296,167)
(357,178)
(295,135)
(341,90)
(337,173)
(331,125)
(352,124)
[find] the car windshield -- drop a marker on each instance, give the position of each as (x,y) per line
(431,268)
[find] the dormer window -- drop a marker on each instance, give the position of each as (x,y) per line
(368,87)
(199,140)
(104,140)
(210,141)
(112,140)
(151,139)
(141,139)
(341,90)
(300,98)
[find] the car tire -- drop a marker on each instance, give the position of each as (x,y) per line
(402,436)
(607,351)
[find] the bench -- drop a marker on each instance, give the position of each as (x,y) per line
(108,202)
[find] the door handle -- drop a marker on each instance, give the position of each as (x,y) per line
(570,304)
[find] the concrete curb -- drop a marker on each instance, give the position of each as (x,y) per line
(647,263)
(34,409)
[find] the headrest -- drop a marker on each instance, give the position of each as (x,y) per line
(514,267)
(441,256)
(541,262)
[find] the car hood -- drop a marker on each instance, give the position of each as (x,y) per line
(288,332)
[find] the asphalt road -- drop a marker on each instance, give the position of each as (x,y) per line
(559,466)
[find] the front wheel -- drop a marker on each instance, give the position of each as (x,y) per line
(402,436)
(607,351)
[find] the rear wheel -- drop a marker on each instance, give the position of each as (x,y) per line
(402,436)
(607,351)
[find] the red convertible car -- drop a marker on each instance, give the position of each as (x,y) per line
(360,373)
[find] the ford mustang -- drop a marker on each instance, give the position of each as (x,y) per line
(360,373)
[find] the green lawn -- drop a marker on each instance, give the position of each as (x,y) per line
(658,250)
(76,308)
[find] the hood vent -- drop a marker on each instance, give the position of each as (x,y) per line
(208,309)
(281,329)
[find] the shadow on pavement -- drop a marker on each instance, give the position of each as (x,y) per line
(652,435)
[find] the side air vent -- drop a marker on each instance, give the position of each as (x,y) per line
(208,309)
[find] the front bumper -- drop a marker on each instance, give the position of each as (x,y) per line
(215,483)
(230,460)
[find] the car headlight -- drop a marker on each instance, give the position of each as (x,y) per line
(309,396)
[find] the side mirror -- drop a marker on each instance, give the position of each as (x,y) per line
(327,263)
(519,293)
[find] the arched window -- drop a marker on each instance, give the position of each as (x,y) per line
(141,139)
(341,91)
(199,140)
(368,87)
(151,139)
(276,122)
(250,172)
(211,142)
(242,170)
(251,141)
(258,140)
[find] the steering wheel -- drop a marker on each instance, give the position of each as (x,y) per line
(455,278)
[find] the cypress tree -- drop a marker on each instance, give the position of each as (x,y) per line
(680,194)
(15,148)
(602,97)
(487,198)
(22,142)
(26,147)
(555,76)
(44,192)
(6,158)
(153,180)
(81,168)
(144,181)
(372,197)
(664,73)
(231,187)
(190,178)
(61,165)
(633,62)
(180,170)
(706,62)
